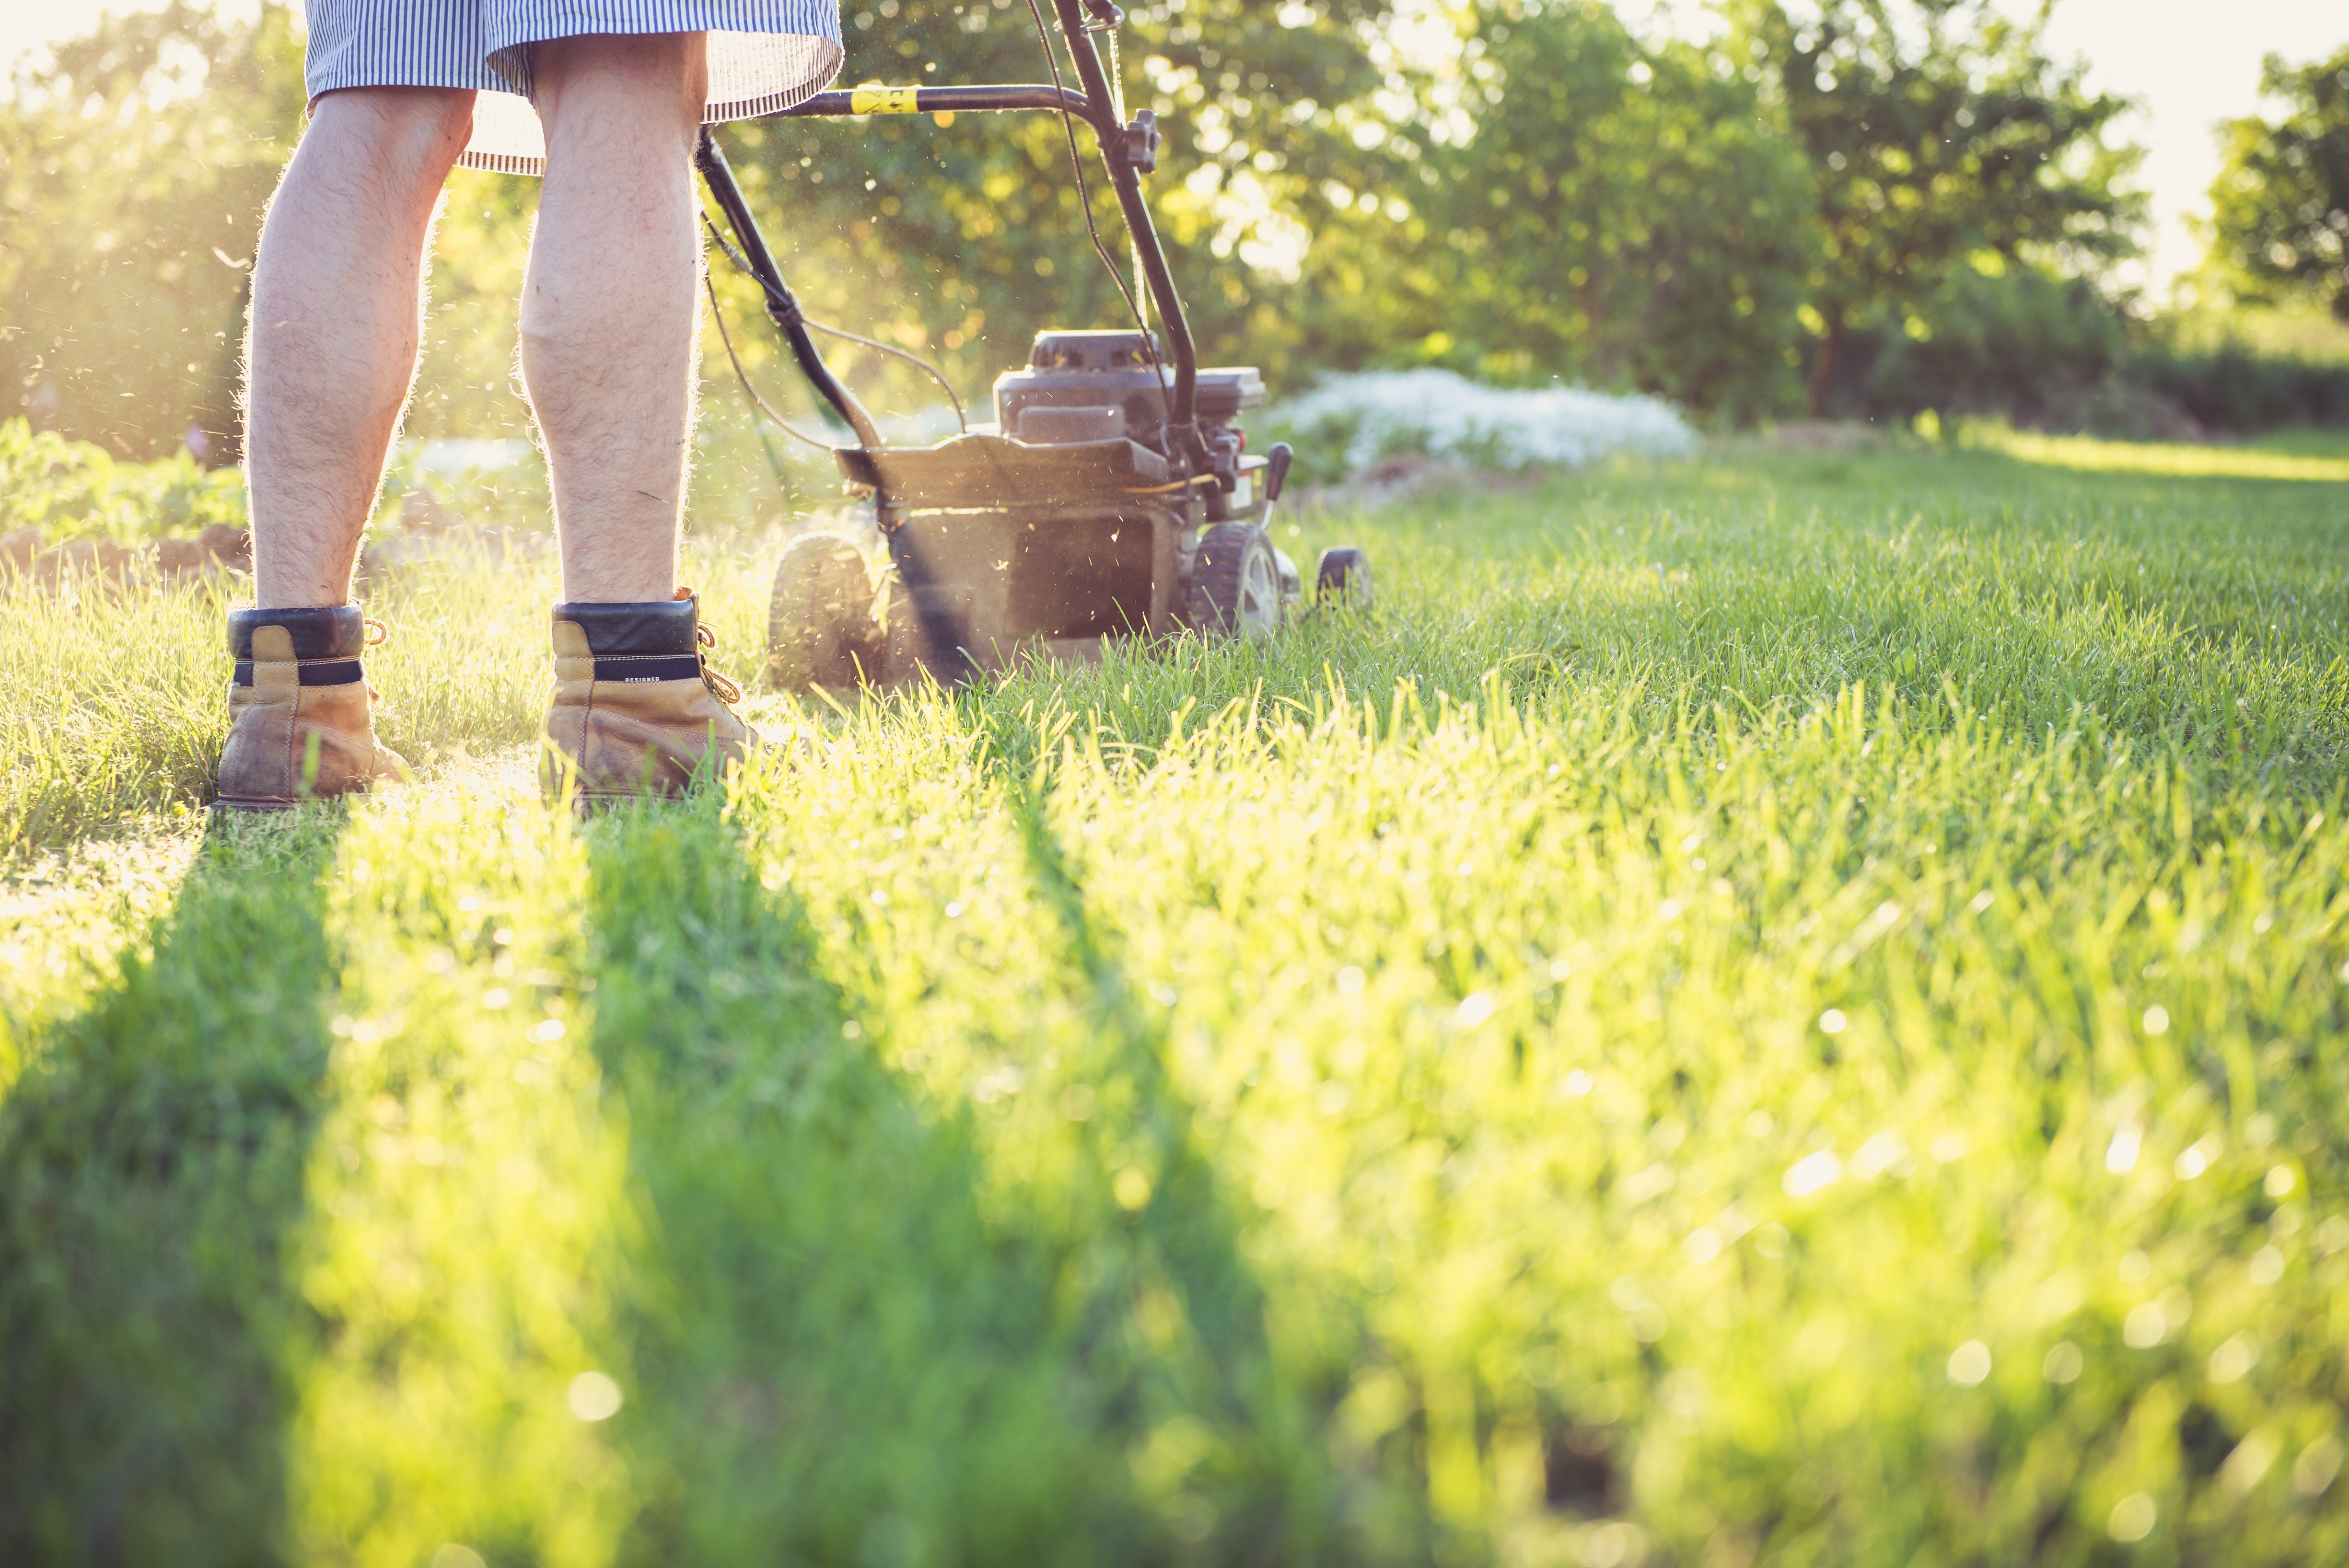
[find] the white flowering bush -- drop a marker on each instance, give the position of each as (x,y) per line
(1350,422)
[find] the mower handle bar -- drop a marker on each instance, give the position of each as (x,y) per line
(872,100)
(1094,107)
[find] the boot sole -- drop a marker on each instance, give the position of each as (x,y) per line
(612,800)
(265,805)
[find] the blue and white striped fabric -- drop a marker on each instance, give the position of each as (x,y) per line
(764,54)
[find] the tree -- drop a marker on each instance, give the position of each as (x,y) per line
(2280,207)
(1566,201)
(1936,130)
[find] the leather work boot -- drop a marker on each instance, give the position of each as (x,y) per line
(637,709)
(301,724)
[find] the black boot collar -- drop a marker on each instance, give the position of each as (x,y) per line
(337,632)
(618,630)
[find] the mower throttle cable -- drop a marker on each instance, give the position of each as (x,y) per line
(935,373)
(793,430)
(1106,17)
(719,313)
(1194,482)
(743,263)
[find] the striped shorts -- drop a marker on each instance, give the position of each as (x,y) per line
(764,54)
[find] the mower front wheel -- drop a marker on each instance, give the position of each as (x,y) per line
(1344,578)
(821,630)
(1235,582)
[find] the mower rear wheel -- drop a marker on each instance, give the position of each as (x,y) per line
(1235,582)
(1344,578)
(821,630)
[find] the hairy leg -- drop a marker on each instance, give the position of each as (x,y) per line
(331,346)
(611,307)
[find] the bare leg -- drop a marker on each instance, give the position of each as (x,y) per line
(331,347)
(611,308)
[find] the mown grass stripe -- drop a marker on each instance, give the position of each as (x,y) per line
(70,920)
(472,1215)
(150,1192)
(1083,1386)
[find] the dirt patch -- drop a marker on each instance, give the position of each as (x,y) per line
(429,530)
(1403,476)
(218,553)
(1838,437)
(2121,410)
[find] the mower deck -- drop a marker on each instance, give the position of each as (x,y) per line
(976,471)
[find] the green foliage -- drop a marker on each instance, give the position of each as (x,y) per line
(959,240)
(2051,351)
(2235,390)
(130,197)
(2280,207)
(1783,1008)
(466,385)
(2015,340)
(78,489)
(1564,200)
(1935,129)
(2207,322)
(1570,203)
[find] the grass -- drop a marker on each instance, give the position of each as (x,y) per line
(1786,1008)
(2308,455)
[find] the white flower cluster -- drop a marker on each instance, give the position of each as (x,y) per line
(1381,413)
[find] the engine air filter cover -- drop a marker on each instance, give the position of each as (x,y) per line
(1093,351)
(1099,370)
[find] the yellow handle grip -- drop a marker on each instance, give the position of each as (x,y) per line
(883,100)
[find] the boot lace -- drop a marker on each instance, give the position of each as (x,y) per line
(376,636)
(725,690)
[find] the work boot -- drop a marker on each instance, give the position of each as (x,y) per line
(637,709)
(301,721)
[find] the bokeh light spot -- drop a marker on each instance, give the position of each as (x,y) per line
(1970,1363)
(594,1397)
(2133,1518)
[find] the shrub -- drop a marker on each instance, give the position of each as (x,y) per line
(2235,390)
(77,489)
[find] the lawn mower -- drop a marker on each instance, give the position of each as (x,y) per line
(1111,496)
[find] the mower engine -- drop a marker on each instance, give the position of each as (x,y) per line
(1091,385)
(1062,525)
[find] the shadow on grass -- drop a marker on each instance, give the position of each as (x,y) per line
(856,1337)
(1259,1488)
(150,1176)
(822,1326)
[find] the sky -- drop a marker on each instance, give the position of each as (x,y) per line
(2191,63)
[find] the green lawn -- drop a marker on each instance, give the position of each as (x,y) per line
(1773,1009)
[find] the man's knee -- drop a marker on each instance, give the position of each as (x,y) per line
(656,76)
(408,135)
